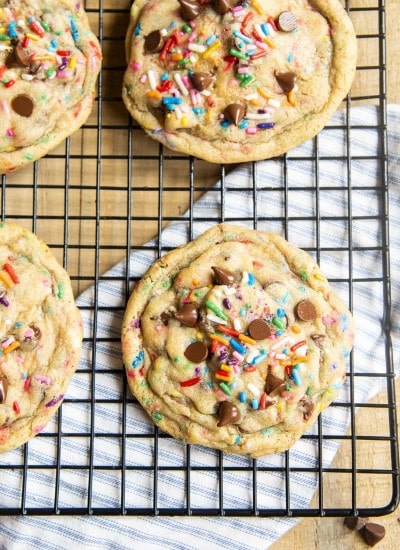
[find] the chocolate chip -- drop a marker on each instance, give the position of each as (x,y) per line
(29,343)
(228,413)
(221,6)
(306,311)
(286,81)
(196,352)
(223,276)
(287,21)
(274,385)
(3,390)
(18,57)
(373,533)
(35,68)
(154,42)
(234,113)
(23,105)
(187,315)
(355,523)
(259,330)
(200,81)
(189,9)
(165,317)
(307,407)
(318,339)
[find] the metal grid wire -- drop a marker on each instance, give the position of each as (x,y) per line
(105,192)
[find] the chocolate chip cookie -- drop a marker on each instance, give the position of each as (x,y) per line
(40,335)
(236,341)
(49,62)
(231,81)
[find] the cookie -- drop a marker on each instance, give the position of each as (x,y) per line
(49,62)
(237,81)
(41,335)
(236,341)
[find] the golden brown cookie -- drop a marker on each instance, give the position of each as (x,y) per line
(236,341)
(237,81)
(41,335)
(49,62)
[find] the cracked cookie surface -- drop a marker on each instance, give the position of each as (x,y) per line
(237,81)
(41,335)
(236,341)
(49,62)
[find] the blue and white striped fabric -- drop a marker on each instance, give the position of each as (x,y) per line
(303,206)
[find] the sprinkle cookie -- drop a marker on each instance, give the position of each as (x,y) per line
(49,62)
(230,81)
(236,342)
(40,338)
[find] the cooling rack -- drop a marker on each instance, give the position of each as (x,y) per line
(109,191)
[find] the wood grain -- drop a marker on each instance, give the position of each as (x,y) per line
(324,533)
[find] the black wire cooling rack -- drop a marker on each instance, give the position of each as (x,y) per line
(106,191)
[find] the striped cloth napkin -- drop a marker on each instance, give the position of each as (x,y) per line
(302,208)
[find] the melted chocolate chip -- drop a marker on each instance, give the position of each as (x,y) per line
(196,352)
(3,390)
(200,81)
(18,57)
(307,406)
(187,315)
(286,21)
(154,42)
(228,413)
(29,343)
(259,330)
(318,339)
(306,311)
(221,6)
(23,105)
(286,81)
(373,533)
(234,113)
(189,10)
(165,317)
(35,68)
(355,523)
(274,385)
(223,276)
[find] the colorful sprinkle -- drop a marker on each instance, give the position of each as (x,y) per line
(278,323)
(218,312)
(219,339)
(237,347)
(60,290)
(296,376)
(11,347)
(138,360)
(6,279)
(190,382)
(253,389)
(54,401)
(225,388)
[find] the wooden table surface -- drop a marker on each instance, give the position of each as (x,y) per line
(329,533)
(50,205)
